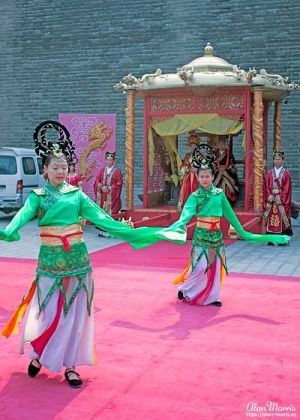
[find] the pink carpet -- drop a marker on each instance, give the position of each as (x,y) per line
(158,358)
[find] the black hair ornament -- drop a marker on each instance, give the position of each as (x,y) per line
(204,157)
(62,147)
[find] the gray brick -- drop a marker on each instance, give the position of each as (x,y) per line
(63,56)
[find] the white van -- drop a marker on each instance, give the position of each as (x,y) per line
(20,171)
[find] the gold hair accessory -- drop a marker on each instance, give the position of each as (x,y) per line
(57,153)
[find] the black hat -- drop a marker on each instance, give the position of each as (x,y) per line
(110,154)
(278,153)
(62,147)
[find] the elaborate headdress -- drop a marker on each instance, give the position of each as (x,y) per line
(63,146)
(278,153)
(204,157)
(110,154)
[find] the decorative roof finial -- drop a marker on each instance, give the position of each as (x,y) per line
(208,50)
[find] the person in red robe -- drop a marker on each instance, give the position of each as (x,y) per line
(226,174)
(278,196)
(108,185)
(189,180)
(74,178)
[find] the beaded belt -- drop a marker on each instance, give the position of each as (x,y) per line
(209,223)
(61,235)
(276,191)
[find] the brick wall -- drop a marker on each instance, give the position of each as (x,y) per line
(65,56)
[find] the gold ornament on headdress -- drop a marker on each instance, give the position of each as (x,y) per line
(57,152)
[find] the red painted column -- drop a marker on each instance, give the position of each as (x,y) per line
(146,153)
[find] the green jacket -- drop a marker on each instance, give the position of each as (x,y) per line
(213,203)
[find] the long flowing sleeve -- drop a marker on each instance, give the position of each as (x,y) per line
(250,237)
(24,215)
(189,210)
(138,238)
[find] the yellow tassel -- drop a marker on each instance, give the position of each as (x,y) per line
(181,278)
(223,274)
(11,326)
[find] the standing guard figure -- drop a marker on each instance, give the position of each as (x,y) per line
(108,185)
(278,193)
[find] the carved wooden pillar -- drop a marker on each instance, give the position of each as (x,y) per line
(277,127)
(258,156)
(265,130)
(248,153)
(129,155)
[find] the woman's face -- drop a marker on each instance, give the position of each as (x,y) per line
(57,171)
(205,178)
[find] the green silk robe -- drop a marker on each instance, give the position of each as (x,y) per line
(213,203)
(65,205)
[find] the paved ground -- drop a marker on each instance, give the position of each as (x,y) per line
(242,256)
(28,246)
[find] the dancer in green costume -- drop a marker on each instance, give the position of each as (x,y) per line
(59,314)
(202,279)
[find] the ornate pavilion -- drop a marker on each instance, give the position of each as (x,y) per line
(215,98)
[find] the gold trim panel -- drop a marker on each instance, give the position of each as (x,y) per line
(60,230)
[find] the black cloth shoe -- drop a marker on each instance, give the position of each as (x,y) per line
(216,303)
(74,383)
(33,370)
(180,295)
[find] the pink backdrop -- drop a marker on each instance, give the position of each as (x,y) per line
(93,135)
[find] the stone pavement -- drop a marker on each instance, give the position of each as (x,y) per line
(242,257)
(28,246)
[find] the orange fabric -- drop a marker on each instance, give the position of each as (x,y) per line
(94,356)
(223,274)
(181,278)
(12,325)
